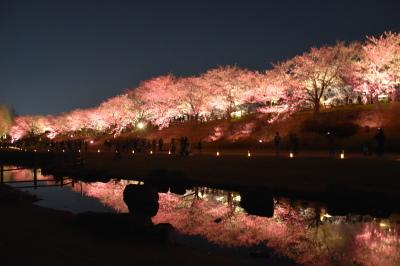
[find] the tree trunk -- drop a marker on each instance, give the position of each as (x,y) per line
(371,98)
(317,106)
(376,99)
(229,112)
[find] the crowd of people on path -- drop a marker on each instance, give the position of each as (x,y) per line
(374,144)
(181,146)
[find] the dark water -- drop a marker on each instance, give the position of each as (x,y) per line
(219,219)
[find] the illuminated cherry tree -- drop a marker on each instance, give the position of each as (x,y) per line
(118,113)
(264,89)
(31,125)
(377,70)
(316,72)
(326,75)
(194,96)
(6,118)
(228,85)
(160,97)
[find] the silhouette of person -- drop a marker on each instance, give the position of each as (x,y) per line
(277,143)
(182,146)
(295,143)
(380,141)
(173,146)
(187,147)
(199,146)
(160,144)
(331,143)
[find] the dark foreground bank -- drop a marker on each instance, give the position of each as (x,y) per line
(32,235)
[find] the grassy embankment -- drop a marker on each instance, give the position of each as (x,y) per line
(348,124)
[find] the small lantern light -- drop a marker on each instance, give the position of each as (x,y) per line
(98,150)
(169,152)
(248,154)
(260,140)
(291,155)
(151,152)
(141,125)
(217,153)
(133,151)
(342,155)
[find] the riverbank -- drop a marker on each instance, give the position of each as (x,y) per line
(307,174)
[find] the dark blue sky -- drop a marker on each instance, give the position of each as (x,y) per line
(57,55)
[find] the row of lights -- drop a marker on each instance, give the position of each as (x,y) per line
(291,155)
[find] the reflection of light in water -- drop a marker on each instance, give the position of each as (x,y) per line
(237,198)
(219,198)
(384,224)
(291,232)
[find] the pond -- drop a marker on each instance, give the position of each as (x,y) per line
(301,230)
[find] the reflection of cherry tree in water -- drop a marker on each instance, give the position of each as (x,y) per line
(294,231)
(110,194)
(25,174)
(373,239)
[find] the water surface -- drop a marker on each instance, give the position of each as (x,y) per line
(300,230)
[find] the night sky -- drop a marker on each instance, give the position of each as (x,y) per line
(58,55)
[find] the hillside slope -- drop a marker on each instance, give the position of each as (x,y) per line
(352,126)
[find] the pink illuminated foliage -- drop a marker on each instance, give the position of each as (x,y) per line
(6,118)
(377,69)
(229,86)
(194,96)
(160,97)
(291,232)
(319,76)
(315,73)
